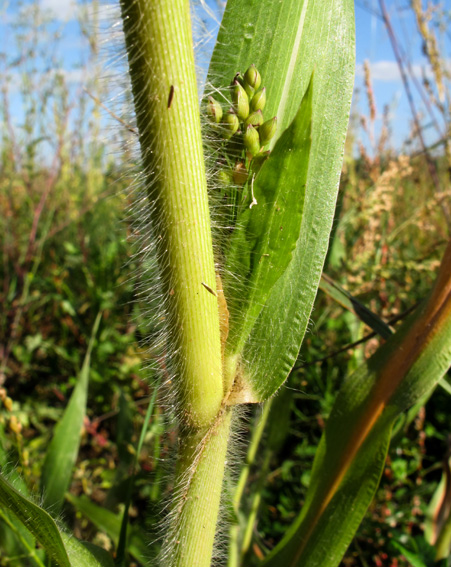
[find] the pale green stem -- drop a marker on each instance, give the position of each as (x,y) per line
(234,539)
(234,547)
(247,538)
(198,494)
(161,61)
(251,453)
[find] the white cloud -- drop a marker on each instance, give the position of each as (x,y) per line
(67,10)
(388,71)
(63,10)
(73,78)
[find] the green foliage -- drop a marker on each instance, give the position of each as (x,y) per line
(419,553)
(86,554)
(352,451)
(62,453)
(294,28)
(110,523)
(308,45)
(64,550)
(384,250)
(267,227)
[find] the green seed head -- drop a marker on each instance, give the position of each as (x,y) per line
(267,130)
(251,140)
(255,118)
(259,100)
(252,77)
(214,110)
(240,101)
(230,124)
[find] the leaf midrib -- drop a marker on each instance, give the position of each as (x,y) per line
(290,70)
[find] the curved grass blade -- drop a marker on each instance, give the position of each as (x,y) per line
(84,554)
(64,550)
(15,539)
(16,542)
(36,520)
(352,451)
(422,554)
(63,450)
(349,302)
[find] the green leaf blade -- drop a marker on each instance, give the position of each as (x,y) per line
(334,290)
(271,226)
(64,550)
(328,47)
(63,449)
(287,41)
(37,521)
(85,554)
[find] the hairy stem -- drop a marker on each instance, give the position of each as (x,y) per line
(161,61)
(198,493)
(160,54)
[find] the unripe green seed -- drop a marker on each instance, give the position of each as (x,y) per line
(225,177)
(240,101)
(255,118)
(230,124)
(214,110)
(258,101)
(249,90)
(252,77)
(240,174)
(267,130)
(238,78)
(251,140)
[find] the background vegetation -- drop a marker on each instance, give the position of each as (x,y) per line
(67,255)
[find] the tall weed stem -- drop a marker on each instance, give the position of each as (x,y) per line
(161,61)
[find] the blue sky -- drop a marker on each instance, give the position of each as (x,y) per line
(372,43)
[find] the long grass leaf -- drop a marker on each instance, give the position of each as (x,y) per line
(349,302)
(84,554)
(327,46)
(36,520)
(63,450)
(287,41)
